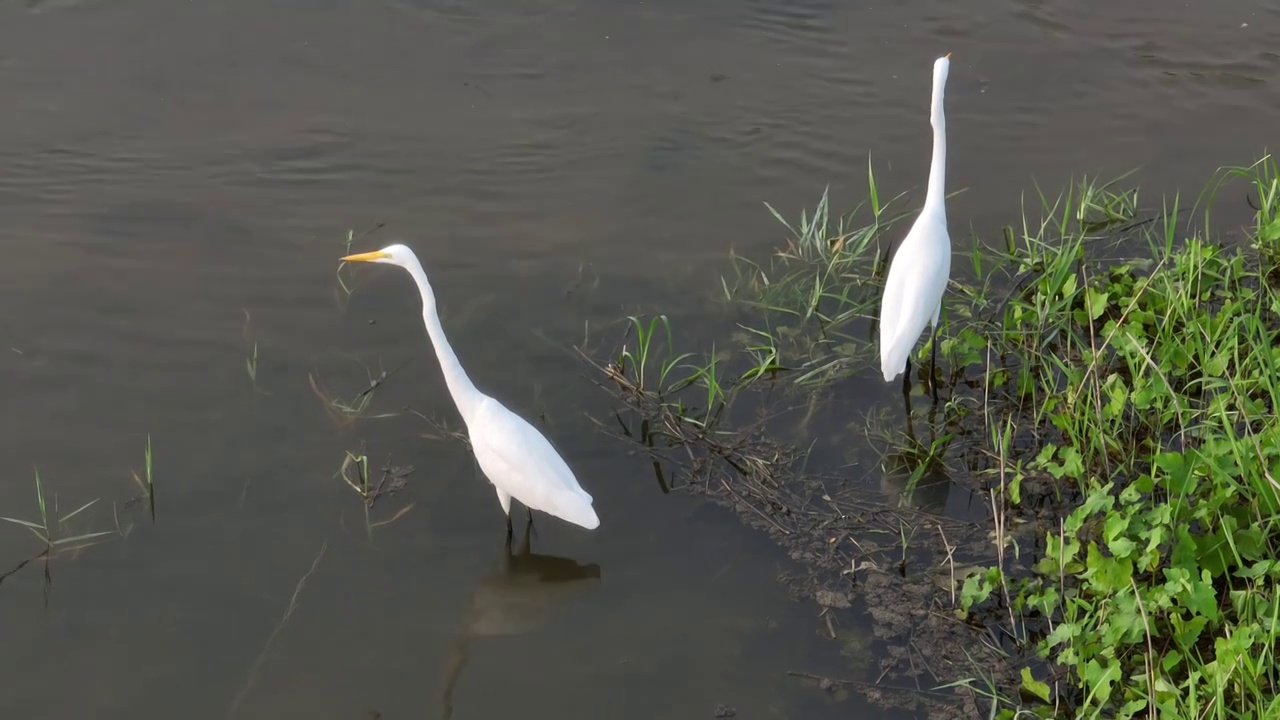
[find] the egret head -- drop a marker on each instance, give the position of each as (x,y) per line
(391,254)
(940,68)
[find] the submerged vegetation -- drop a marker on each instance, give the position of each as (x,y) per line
(54,528)
(1112,404)
(68,534)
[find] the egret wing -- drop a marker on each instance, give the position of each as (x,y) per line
(913,292)
(520,461)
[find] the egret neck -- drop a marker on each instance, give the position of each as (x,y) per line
(935,196)
(464,392)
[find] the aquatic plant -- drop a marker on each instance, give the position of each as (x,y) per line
(54,529)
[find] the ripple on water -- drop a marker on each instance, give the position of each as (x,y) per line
(1194,47)
(433,11)
(37,7)
(56,175)
(308,156)
(790,23)
(549,152)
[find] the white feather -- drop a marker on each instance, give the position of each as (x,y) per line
(921,265)
(516,458)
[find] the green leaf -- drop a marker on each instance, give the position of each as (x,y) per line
(1177,475)
(1099,679)
(1184,549)
(1187,633)
(81,509)
(1097,303)
(1115,525)
(1250,542)
(1133,707)
(1270,232)
(975,590)
(1072,464)
(1064,632)
(1109,574)
(1202,599)
(24,523)
(1036,687)
(80,538)
(1257,570)
(1122,547)
(1099,500)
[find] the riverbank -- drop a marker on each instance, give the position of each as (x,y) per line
(1108,412)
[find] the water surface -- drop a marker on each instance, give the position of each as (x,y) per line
(176,180)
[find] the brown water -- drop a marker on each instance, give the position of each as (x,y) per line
(168,169)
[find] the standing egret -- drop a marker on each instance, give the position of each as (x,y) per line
(918,276)
(516,458)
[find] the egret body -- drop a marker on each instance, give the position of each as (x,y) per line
(920,269)
(517,459)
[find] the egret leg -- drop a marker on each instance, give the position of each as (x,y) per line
(933,366)
(906,400)
(530,526)
(510,531)
(911,430)
(507,557)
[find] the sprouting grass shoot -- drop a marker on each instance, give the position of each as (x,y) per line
(54,528)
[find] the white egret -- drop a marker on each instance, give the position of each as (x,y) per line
(517,459)
(918,276)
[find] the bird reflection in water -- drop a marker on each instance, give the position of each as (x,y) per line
(914,474)
(929,492)
(517,599)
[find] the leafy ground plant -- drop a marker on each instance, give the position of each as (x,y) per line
(1113,402)
(1145,394)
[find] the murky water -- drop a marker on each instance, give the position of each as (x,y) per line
(176,179)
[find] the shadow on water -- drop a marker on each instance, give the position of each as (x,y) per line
(47,578)
(517,599)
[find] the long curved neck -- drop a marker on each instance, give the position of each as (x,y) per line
(464,393)
(935,197)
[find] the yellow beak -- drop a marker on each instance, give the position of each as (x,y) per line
(948,56)
(366,257)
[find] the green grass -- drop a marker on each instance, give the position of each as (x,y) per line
(1145,394)
(251,362)
(344,290)
(53,528)
(1114,389)
(146,483)
(251,365)
(346,412)
(354,471)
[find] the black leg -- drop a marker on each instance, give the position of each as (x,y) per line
(933,427)
(911,431)
(933,366)
(528,528)
(906,392)
(529,514)
(510,531)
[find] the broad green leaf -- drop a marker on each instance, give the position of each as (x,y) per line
(1036,687)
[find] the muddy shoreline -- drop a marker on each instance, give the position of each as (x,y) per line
(850,556)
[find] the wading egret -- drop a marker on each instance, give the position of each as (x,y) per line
(918,275)
(516,458)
